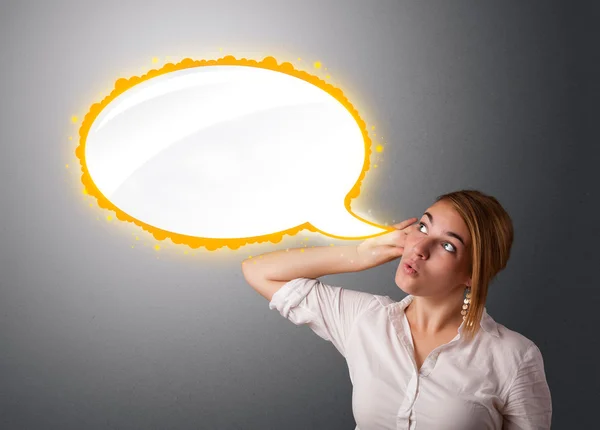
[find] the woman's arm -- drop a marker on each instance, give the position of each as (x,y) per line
(267,273)
(529,403)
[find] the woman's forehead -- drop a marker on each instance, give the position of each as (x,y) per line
(443,215)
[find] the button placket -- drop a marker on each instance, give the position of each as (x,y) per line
(430,362)
(411,395)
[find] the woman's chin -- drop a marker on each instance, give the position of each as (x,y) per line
(406,285)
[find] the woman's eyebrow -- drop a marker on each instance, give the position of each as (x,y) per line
(448,233)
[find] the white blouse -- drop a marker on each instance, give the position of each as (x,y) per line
(496,381)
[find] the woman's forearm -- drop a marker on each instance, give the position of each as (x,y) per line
(295,263)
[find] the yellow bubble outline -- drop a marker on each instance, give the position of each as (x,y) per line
(211,244)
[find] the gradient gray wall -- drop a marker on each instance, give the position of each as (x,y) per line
(94,334)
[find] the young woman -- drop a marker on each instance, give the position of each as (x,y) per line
(436,359)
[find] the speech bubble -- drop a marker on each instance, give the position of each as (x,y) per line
(227,152)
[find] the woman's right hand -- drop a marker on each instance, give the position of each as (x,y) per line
(386,247)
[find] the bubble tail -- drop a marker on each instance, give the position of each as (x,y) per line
(342,224)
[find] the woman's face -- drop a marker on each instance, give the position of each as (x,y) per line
(439,248)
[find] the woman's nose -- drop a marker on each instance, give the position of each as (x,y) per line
(421,248)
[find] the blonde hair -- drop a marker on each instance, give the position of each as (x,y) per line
(492,235)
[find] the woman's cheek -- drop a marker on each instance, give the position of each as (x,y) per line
(410,241)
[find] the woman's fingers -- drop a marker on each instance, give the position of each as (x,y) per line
(402,225)
(397,237)
(394,252)
(393,238)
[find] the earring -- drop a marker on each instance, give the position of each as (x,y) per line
(466,302)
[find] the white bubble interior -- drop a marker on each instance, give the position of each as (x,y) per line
(228,152)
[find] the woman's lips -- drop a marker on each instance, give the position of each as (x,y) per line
(408,270)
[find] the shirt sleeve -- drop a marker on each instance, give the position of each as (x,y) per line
(329,311)
(529,405)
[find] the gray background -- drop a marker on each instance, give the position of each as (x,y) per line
(499,96)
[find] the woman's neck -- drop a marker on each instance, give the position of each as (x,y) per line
(433,315)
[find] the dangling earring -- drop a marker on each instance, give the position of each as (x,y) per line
(466,302)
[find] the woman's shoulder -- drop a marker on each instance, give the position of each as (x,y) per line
(512,342)
(503,351)
(383,300)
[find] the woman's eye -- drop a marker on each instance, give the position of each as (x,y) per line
(446,245)
(449,245)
